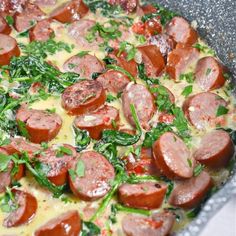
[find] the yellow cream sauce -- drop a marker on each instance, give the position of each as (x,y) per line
(49,207)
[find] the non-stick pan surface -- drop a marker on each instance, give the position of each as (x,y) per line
(216,21)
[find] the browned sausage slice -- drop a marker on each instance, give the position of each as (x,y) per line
(67,224)
(128,5)
(83,97)
(95,181)
(41,125)
(4,27)
(159,224)
(179,60)
(27,207)
(5,174)
(143,101)
(121,60)
(58,159)
(209,74)
(41,31)
(30,14)
(153,60)
(113,81)
(97,121)
(216,149)
(19,145)
(70,11)
(85,65)
(189,193)
(148,195)
(173,157)
(201,109)
(164,42)
(78,30)
(8,49)
(181,31)
(144,164)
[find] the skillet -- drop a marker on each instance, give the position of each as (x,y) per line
(216,25)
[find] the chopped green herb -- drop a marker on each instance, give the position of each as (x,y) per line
(129,49)
(4,162)
(169,189)
(82,53)
(8,202)
(221,110)
(80,168)
(190,164)
(198,169)
(204,49)
(22,128)
(187,90)
(189,77)
(9,19)
(62,150)
(82,139)
(208,71)
(110,98)
(52,110)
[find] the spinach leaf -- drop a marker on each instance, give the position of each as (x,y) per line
(82,139)
(45,48)
(8,202)
(142,75)
(90,229)
(4,162)
(152,135)
(164,14)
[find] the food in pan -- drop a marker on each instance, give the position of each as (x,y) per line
(115,119)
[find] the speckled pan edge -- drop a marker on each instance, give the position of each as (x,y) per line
(216,25)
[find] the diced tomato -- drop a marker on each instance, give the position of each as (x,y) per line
(139,28)
(153,27)
(166,118)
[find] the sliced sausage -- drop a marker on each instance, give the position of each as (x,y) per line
(4,27)
(146,9)
(189,193)
(159,224)
(5,176)
(179,60)
(121,60)
(144,164)
(86,65)
(216,149)
(97,121)
(181,31)
(58,162)
(127,5)
(27,207)
(41,31)
(153,26)
(147,195)
(95,182)
(165,91)
(113,81)
(42,126)
(19,145)
(25,19)
(8,49)
(70,11)
(164,42)
(153,60)
(9,6)
(45,2)
(78,30)
(172,156)
(83,97)
(67,224)
(201,109)
(209,74)
(142,99)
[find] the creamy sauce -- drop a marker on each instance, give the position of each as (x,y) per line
(49,207)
